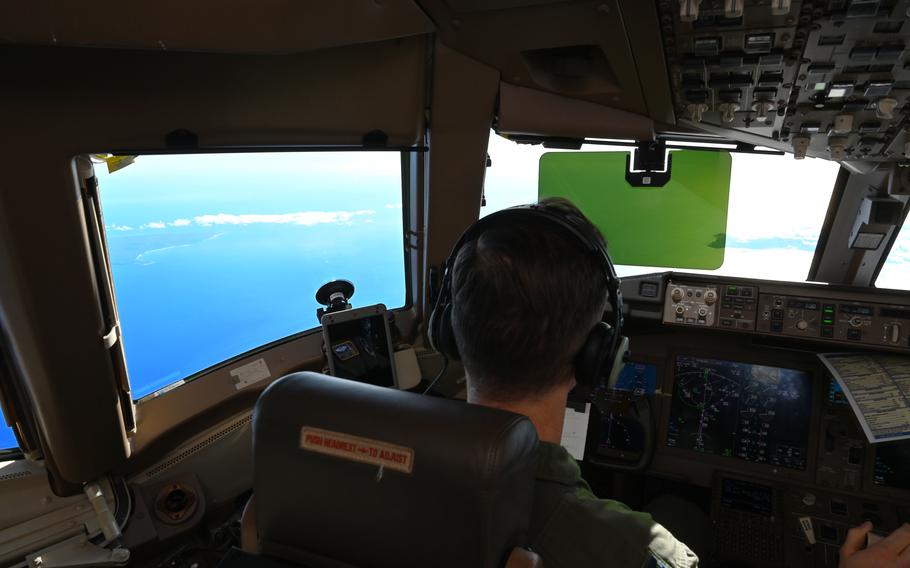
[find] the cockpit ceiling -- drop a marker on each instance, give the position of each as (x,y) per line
(241,26)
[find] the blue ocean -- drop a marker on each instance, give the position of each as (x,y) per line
(216,254)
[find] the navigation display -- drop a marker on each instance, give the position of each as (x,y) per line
(892,465)
(751,412)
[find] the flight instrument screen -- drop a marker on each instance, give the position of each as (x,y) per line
(751,412)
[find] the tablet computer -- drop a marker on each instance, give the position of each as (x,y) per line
(358,345)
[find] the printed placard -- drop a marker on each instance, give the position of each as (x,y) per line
(355,448)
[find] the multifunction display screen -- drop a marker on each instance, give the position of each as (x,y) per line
(751,412)
(892,465)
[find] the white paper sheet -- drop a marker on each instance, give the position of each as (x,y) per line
(575,430)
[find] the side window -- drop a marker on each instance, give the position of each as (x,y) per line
(214,255)
(7,438)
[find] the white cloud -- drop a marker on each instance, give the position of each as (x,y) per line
(180,223)
(153,225)
(307,218)
(896,271)
(119,228)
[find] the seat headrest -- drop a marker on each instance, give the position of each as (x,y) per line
(371,476)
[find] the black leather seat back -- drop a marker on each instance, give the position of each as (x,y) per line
(348,474)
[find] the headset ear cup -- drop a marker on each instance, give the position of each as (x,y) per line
(594,356)
(444,334)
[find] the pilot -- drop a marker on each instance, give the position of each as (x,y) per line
(892,551)
(524,299)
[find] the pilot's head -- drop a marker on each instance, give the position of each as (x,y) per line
(525,297)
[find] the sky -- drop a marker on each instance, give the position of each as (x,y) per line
(776,210)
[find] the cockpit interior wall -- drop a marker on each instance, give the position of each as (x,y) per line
(68,101)
(275,26)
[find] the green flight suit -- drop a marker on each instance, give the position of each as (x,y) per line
(572,528)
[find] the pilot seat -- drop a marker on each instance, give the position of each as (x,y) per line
(353,475)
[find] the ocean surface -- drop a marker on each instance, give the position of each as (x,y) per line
(215,255)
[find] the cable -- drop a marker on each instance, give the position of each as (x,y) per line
(445,365)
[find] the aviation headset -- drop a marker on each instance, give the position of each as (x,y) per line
(601,355)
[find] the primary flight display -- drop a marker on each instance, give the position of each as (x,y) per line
(752,412)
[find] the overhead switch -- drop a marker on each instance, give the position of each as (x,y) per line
(688,10)
(762,108)
(837,147)
(885,108)
(843,124)
(695,111)
(780,7)
(728,111)
(800,144)
(733,8)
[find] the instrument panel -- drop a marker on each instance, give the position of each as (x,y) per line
(824,315)
(742,406)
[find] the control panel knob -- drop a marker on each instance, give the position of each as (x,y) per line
(895,333)
(780,7)
(837,147)
(802,325)
(885,108)
(676,295)
(843,124)
(728,110)
(680,310)
(696,111)
(856,321)
(762,108)
(733,9)
(688,10)
(702,312)
(710,297)
(809,499)
(800,144)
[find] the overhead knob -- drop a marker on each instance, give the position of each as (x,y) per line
(802,325)
(800,144)
(843,124)
(688,10)
(837,147)
(780,7)
(885,108)
(809,499)
(695,111)
(677,294)
(710,297)
(733,8)
(728,111)
(762,108)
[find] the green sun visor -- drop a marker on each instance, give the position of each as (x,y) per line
(682,224)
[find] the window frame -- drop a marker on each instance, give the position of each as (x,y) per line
(100,254)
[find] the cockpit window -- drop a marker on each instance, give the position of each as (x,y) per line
(7,437)
(214,255)
(776,209)
(895,273)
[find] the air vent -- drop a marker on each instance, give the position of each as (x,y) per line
(577,69)
(15,475)
(196,447)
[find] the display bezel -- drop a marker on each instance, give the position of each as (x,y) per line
(378,310)
(787,360)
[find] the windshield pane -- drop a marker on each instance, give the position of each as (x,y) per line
(776,210)
(895,273)
(216,254)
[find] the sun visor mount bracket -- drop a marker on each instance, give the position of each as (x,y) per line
(649,165)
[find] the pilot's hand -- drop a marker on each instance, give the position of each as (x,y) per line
(892,551)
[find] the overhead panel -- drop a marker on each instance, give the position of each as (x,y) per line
(820,78)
